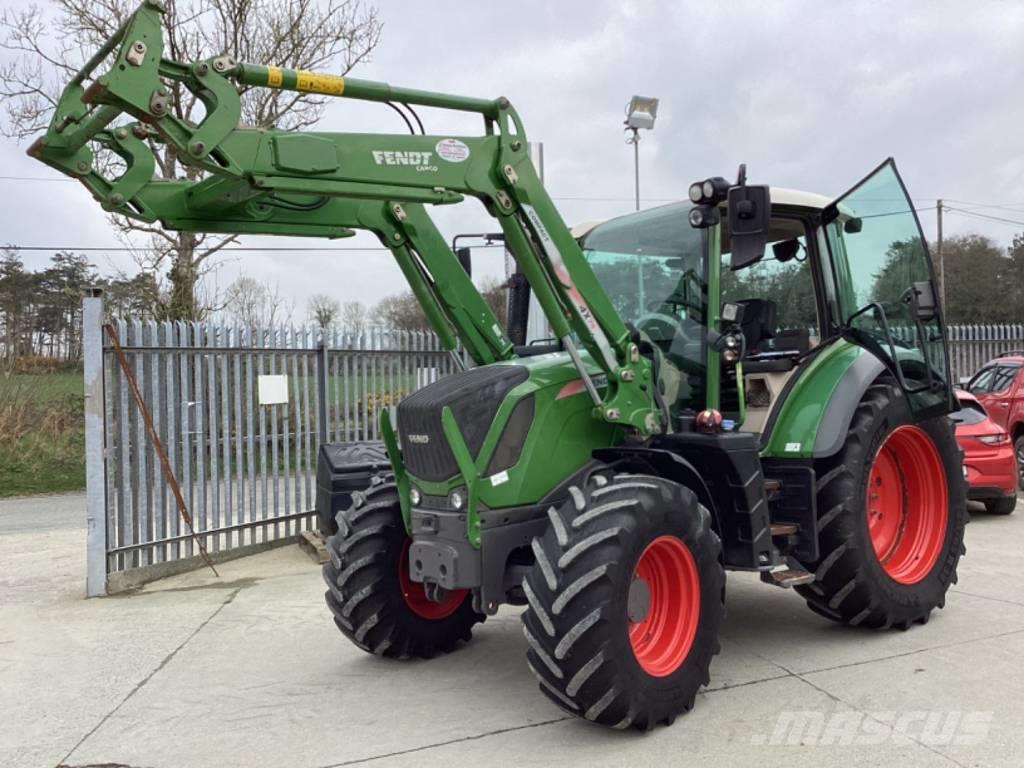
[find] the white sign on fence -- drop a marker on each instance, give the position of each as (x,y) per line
(273,390)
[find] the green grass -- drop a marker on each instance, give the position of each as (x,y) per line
(42,434)
(40,463)
(40,387)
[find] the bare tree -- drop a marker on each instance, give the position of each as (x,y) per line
(353,317)
(48,45)
(253,304)
(400,312)
(323,310)
(495,293)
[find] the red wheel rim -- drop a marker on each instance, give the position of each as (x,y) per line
(415,593)
(663,636)
(907,504)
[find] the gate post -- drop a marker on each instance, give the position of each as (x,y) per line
(95,448)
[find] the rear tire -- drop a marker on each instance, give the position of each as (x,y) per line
(1003,506)
(897,569)
(625,601)
(374,602)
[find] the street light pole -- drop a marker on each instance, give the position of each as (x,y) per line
(640,113)
(635,141)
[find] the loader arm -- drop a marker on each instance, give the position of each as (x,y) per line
(244,169)
(451,304)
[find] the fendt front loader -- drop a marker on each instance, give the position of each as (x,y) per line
(706,405)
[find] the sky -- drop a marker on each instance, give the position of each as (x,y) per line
(809,95)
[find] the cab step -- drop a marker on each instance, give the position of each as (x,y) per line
(787,577)
(785,529)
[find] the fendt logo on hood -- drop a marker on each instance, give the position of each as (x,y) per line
(421,160)
(419,439)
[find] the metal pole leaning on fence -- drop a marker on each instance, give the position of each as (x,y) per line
(95,446)
(157,444)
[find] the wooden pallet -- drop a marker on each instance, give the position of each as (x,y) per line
(314,545)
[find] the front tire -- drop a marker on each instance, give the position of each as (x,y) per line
(891,517)
(373,600)
(1003,506)
(625,601)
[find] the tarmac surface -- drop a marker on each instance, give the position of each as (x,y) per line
(249,670)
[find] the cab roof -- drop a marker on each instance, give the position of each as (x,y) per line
(793,198)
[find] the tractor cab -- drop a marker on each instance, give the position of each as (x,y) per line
(855,268)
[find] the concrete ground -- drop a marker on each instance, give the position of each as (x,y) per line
(248,670)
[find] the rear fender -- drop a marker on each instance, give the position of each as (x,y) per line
(813,419)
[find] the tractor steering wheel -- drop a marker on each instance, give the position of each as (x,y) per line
(654,324)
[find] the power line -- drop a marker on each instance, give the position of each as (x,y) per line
(968,210)
(239,249)
(31,178)
(1015,207)
(568,199)
(986,216)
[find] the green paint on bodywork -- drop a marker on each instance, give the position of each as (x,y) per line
(796,427)
(741,393)
(561,439)
(401,476)
(470,475)
(714,370)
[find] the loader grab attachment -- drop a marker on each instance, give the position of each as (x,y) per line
(271,181)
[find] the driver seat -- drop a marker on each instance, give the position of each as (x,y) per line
(758,324)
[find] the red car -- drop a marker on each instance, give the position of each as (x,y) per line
(990,466)
(999,387)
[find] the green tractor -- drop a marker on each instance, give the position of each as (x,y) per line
(756,379)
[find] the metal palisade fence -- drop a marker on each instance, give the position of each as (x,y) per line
(240,413)
(971,346)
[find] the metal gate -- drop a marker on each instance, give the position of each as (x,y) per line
(240,413)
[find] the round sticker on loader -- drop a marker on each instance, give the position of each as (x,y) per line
(452,150)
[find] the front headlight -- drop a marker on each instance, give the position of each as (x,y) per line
(414,496)
(457,500)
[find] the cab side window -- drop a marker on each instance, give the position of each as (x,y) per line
(788,287)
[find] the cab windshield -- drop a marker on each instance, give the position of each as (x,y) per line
(653,267)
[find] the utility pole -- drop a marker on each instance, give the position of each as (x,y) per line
(938,251)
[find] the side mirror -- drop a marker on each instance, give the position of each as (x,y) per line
(750,210)
(921,298)
(465,257)
(853,226)
(786,250)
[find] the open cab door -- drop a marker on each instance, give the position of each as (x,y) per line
(888,297)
